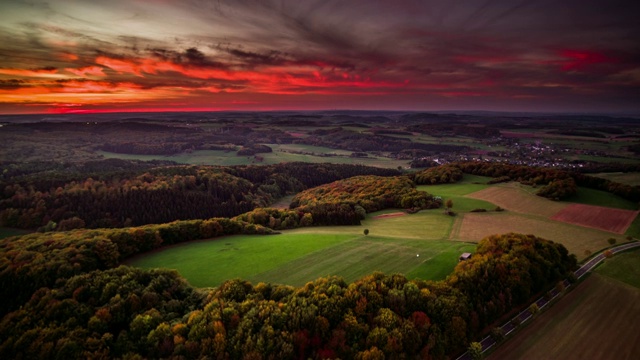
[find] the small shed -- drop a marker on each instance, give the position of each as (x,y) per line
(464,256)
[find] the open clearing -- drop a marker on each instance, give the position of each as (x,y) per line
(597,320)
(623,267)
(294,258)
(300,255)
(597,217)
(359,257)
(210,262)
(514,198)
(576,239)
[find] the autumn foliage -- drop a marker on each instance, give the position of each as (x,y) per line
(124,312)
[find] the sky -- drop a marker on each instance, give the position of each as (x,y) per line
(68,56)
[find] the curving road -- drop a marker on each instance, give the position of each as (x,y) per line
(488,342)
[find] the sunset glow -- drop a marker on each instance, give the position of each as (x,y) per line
(256,55)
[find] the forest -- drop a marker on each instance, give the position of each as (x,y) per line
(127,313)
(154,195)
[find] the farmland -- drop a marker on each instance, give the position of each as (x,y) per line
(623,267)
(301,255)
(582,324)
(514,197)
(394,240)
(597,217)
(576,239)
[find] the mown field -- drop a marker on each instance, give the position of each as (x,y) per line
(582,325)
(301,255)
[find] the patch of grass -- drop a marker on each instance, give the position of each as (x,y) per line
(364,255)
(623,267)
(8,232)
(210,262)
(634,228)
(296,257)
(601,198)
(426,224)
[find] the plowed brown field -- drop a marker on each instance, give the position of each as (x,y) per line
(597,217)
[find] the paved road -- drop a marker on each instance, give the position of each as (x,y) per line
(507,328)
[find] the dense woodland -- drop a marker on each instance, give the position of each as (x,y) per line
(364,194)
(126,312)
(151,195)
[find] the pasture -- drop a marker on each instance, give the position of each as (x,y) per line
(210,262)
(623,267)
(301,255)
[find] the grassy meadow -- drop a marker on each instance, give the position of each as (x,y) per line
(623,267)
(301,255)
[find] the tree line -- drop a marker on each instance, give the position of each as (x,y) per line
(158,194)
(130,313)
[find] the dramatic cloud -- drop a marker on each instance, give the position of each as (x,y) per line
(574,55)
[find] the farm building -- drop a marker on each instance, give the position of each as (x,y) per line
(464,256)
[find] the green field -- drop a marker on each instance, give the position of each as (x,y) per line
(457,191)
(297,256)
(601,198)
(624,267)
(634,229)
(210,262)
